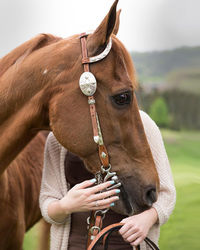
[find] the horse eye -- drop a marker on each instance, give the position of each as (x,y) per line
(122,98)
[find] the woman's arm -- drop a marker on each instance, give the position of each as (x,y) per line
(55,206)
(50,187)
(167,193)
(137,227)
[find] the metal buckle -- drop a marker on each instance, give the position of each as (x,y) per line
(112,175)
(105,170)
(95,228)
(101,213)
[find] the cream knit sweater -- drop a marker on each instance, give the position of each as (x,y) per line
(54,185)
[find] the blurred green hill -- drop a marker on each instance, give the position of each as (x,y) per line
(184,79)
(158,64)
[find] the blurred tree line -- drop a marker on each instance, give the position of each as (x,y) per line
(174,109)
(170,86)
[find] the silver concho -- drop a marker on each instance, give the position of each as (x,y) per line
(88,83)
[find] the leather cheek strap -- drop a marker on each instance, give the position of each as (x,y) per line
(103,154)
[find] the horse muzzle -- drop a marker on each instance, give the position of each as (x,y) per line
(134,199)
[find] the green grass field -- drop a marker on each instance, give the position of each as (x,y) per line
(182,232)
(183,229)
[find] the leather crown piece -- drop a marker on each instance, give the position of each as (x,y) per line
(87,82)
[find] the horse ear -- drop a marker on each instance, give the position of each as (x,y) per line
(102,34)
(116,28)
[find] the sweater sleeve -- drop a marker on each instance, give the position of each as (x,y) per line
(167,194)
(50,186)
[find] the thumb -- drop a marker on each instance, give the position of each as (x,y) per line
(124,220)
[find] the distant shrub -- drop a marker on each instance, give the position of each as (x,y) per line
(159,112)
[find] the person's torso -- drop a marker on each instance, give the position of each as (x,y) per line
(75,173)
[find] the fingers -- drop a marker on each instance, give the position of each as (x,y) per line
(105,194)
(91,198)
(104,203)
(131,231)
(100,187)
(85,184)
(92,190)
(132,234)
(125,220)
(125,228)
(137,241)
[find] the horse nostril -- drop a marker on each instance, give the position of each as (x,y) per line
(150,196)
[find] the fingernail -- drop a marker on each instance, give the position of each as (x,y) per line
(117,191)
(112,204)
(112,182)
(93,180)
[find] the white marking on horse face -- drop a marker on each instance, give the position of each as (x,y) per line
(45,71)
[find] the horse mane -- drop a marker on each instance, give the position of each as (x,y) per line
(26,49)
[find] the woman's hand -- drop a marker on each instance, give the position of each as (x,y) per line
(136,227)
(82,197)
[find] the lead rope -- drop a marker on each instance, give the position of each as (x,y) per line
(106,232)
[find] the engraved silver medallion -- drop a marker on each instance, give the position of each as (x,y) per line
(88,83)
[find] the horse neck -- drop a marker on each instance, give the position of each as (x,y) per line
(4,185)
(20,114)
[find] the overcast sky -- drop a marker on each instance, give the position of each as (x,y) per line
(146,25)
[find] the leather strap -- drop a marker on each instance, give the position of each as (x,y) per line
(103,154)
(85,59)
(95,227)
(96,221)
(93,115)
(108,231)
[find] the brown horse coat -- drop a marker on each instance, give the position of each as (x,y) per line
(39,91)
(20,187)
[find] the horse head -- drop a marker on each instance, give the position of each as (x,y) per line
(116,105)
(52,67)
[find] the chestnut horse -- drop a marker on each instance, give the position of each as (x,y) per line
(39,90)
(20,187)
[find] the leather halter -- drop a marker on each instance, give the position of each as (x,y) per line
(88,87)
(103,154)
